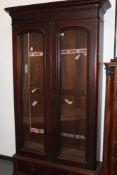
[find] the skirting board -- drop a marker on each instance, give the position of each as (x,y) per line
(6,157)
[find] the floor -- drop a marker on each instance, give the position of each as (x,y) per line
(6,167)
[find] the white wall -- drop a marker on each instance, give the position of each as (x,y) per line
(7,129)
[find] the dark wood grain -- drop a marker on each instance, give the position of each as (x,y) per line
(110,140)
(81,18)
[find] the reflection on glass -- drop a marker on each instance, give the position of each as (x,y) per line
(73,93)
(32,90)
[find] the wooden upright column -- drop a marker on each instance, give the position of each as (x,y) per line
(110,131)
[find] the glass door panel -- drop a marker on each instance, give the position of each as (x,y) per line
(73,90)
(32,56)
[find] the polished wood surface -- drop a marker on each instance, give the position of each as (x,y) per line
(110,140)
(56,56)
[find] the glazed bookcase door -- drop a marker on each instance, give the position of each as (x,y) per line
(73,92)
(32,53)
(31,87)
(74,44)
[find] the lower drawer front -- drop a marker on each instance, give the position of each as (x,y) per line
(34,169)
(30,168)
